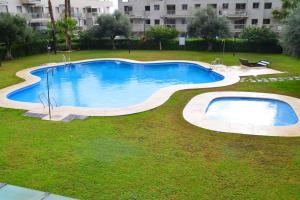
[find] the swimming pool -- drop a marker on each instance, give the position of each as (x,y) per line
(111,83)
(257,111)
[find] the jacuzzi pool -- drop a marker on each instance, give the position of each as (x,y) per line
(245,113)
(111,83)
(257,111)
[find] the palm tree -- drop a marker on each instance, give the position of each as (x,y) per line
(53,26)
(68,15)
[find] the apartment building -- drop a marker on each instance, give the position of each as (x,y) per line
(36,12)
(175,13)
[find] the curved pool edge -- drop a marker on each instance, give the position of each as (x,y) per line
(195,114)
(155,100)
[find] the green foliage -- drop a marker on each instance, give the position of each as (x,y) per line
(259,35)
(112,25)
(161,33)
(208,25)
(195,44)
(13,30)
(287,7)
(291,39)
(68,24)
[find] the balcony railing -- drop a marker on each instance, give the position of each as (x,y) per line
(30,1)
(128,12)
(171,25)
(236,13)
(171,12)
(239,26)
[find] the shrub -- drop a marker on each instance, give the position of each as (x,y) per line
(291,38)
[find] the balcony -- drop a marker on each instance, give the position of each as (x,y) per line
(30,2)
(130,13)
(171,12)
(238,27)
(240,13)
(36,17)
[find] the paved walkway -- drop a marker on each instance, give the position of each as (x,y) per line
(269,79)
(10,192)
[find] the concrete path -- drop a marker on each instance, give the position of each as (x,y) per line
(11,192)
(269,79)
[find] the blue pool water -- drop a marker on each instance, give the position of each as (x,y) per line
(112,84)
(255,111)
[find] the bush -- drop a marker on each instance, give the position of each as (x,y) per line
(259,35)
(291,39)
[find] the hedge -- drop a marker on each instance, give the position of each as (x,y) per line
(231,45)
(25,49)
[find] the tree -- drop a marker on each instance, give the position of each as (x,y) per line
(53,27)
(259,35)
(68,24)
(287,7)
(207,24)
(13,30)
(161,33)
(112,25)
(291,36)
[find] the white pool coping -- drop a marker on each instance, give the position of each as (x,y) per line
(194,113)
(157,99)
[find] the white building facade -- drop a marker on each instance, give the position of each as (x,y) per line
(175,13)
(36,12)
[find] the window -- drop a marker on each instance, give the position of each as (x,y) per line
(131,21)
(156,7)
(197,5)
(240,6)
(183,21)
(212,6)
(147,21)
(19,9)
(184,6)
(57,9)
(254,21)
(266,21)
(171,9)
(239,24)
(256,5)
(128,10)
(147,8)
(225,6)
(268,5)
(171,22)
(3,9)
(157,22)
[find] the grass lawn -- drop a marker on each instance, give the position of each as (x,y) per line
(150,155)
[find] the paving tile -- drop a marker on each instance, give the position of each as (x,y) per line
(10,192)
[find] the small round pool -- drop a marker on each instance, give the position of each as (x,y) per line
(258,111)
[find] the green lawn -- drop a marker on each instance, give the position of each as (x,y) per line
(150,155)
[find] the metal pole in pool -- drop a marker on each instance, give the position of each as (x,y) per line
(48,93)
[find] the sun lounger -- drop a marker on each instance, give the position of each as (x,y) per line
(261,63)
